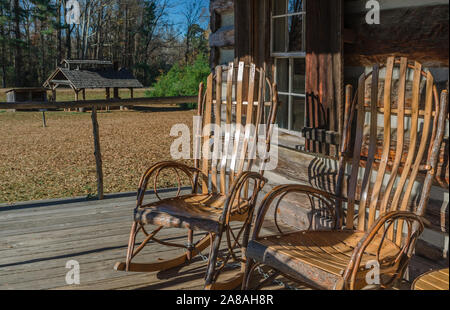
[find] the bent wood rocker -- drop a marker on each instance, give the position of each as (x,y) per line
(223,186)
(396,137)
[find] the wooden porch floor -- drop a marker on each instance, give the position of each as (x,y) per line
(38,238)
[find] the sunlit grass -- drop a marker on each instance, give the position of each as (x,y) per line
(58,161)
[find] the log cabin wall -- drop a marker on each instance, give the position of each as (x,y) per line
(339,47)
(221,39)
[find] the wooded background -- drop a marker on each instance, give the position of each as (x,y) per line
(142,35)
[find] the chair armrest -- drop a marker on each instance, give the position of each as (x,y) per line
(416,225)
(235,191)
(155,170)
(328,199)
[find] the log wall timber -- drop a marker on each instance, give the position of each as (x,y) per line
(416,29)
(320,172)
(217,8)
(223,37)
(222,34)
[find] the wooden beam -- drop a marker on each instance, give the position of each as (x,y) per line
(222,37)
(419,33)
(304,168)
(83,93)
(115,96)
(97,153)
(97,103)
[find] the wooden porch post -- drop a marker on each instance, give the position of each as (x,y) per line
(83,93)
(115,93)
(53,92)
(126,107)
(97,153)
(76,96)
(107,94)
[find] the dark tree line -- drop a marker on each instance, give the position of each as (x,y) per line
(35,35)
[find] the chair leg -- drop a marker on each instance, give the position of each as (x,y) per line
(247,273)
(190,238)
(131,240)
(210,271)
(245,240)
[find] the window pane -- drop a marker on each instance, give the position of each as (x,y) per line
(282,115)
(279,7)
(295,6)
(282,74)
(298,113)
(298,81)
(279,34)
(295,33)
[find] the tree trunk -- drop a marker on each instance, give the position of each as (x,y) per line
(17,49)
(58,34)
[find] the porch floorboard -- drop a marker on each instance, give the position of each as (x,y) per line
(38,238)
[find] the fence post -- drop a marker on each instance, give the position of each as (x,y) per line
(98,156)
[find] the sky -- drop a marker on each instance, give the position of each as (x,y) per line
(175,14)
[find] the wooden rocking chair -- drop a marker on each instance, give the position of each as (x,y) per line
(224,188)
(377,229)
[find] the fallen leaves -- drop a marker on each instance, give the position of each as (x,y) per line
(58,161)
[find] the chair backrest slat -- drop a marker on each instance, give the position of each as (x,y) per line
(400,128)
(421,150)
(258,116)
(372,148)
(356,158)
(206,122)
(400,138)
(249,119)
(386,143)
(217,122)
(413,133)
(399,142)
(237,129)
(228,120)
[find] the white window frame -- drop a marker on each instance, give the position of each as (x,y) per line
(290,56)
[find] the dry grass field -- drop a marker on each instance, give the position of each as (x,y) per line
(58,161)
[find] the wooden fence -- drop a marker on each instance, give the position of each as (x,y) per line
(94,105)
